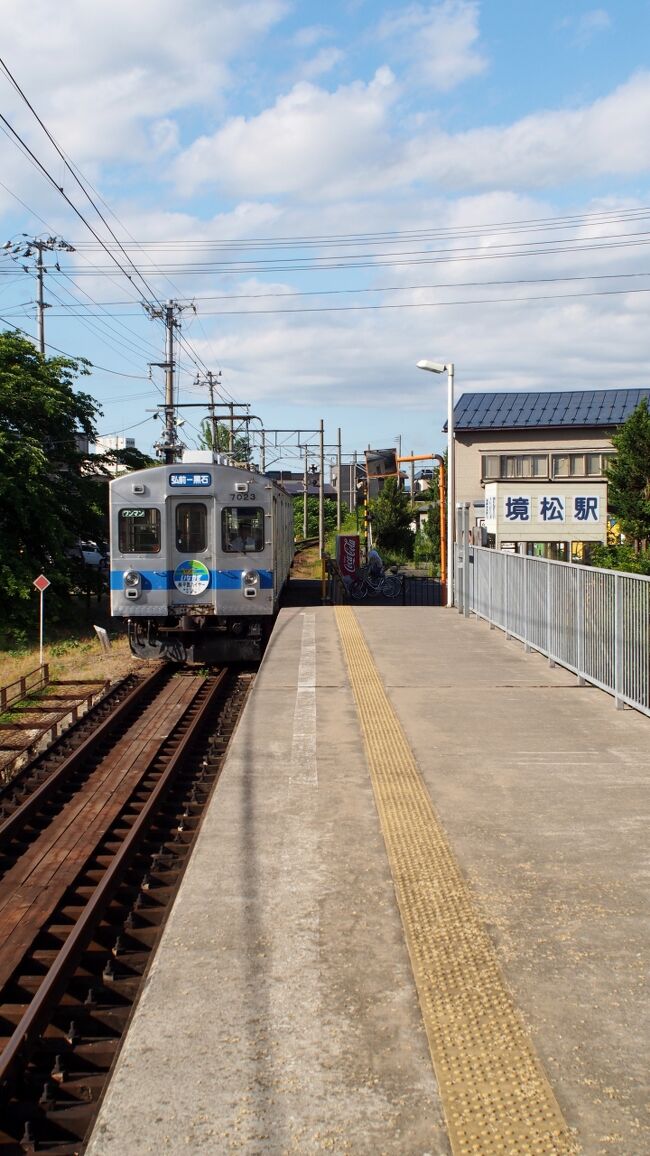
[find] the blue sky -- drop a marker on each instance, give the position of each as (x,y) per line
(334,192)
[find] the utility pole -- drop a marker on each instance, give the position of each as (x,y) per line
(339,482)
(231,434)
(321,495)
(169,444)
(305,499)
(36,246)
(212,380)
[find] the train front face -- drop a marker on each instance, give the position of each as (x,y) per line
(191,561)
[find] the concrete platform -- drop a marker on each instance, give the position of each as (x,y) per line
(281,1015)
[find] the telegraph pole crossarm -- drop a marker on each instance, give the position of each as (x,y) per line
(169,444)
(36,246)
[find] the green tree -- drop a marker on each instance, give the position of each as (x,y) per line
(628,475)
(619,557)
(428,540)
(47,500)
(217,438)
(391,520)
(312,516)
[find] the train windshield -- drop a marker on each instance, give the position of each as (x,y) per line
(191,527)
(242,530)
(139,530)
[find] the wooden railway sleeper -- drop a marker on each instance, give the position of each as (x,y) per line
(120,977)
(74,762)
(25,1038)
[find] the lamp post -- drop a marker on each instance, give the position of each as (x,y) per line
(436,367)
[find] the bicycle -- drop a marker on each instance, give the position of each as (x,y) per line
(386,584)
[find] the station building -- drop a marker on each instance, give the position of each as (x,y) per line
(533,467)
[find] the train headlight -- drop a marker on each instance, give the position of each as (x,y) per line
(132,584)
(250,582)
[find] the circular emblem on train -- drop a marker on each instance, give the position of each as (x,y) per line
(191,577)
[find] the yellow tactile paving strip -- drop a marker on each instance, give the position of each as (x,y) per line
(494,1092)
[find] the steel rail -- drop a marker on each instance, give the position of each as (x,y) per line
(27,1033)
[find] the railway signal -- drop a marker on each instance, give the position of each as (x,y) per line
(41,583)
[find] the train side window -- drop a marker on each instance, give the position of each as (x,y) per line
(242,530)
(139,531)
(191,527)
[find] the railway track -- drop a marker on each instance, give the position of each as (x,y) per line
(93,849)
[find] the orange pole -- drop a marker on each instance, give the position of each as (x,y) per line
(443,506)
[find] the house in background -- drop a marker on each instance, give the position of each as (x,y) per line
(113,442)
(533,466)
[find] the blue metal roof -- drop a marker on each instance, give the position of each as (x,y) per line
(578,407)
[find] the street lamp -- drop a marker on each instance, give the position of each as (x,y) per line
(436,367)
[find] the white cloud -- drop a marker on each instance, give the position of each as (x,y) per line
(320,64)
(545,149)
(315,143)
(370,355)
(311,35)
(97,72)
(126,82)
(310,142)
(587,25)
(439,41)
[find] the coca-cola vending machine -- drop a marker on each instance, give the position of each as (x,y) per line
(348,554)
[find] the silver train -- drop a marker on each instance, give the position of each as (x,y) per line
(200,553)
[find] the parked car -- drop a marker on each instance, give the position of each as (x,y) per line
(94,555)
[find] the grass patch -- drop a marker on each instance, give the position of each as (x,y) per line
(71,649)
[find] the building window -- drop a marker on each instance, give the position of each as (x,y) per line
(490,467)
(590,465)
(495,466)
(554,551)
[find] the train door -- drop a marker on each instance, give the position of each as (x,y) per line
(191,537)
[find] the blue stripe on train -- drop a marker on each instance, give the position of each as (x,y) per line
(164,579)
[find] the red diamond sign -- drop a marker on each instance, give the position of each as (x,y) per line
(41,583)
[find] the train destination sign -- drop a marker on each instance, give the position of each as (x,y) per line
(186,480)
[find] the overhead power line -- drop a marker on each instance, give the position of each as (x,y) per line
(542,224)
(377,289)
(385,260)
(82,185)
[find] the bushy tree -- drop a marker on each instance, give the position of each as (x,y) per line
(217,437)
(391,520)
(427,539)
(628,475)
(313,516)
(620,557)
(47,501)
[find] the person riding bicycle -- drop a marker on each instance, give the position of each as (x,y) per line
(375,565)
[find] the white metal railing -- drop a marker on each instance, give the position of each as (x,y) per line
(595,623)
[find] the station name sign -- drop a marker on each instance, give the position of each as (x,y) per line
(553,510)
(545,508)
